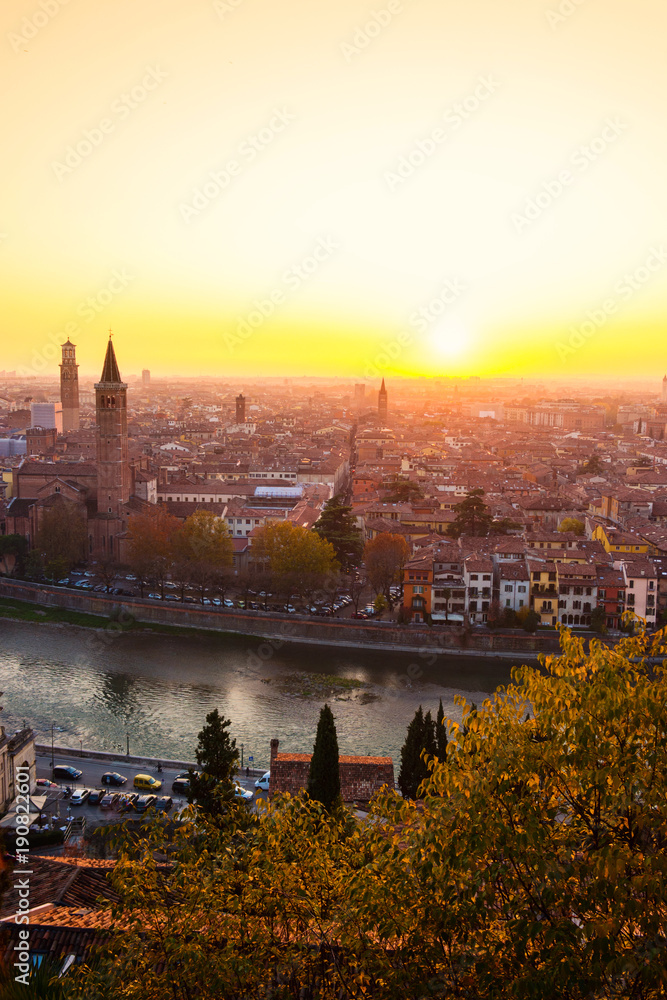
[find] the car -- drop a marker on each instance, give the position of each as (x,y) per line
(126,801)
(147,783)
(186,774)
(67,772)
(144,802)
(154,597)
(242,793)
(130,577)
(360,614)
(216,601)
(113,778)
(95,797)
(47,783)
(228,603)
(263,782)
(181,786)
(99,588)
(164,803)
(89,573)
(171,597)
(79,796)
(110,800)
(64,582)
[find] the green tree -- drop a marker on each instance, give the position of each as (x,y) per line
(592,467)
(338,526)
(599,619)
(419,738)
(572,524)
(216,754)
(324,773)
(403,491)
(441,735)
(472,516)
(61,537)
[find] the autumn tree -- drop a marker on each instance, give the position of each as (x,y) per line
(150,546)
(298,559)
(61,537)
(202,549)
(572,524)
(384,559)
(534,864)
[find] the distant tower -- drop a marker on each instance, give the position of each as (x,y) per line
(359,394)
(240,409)
(382,403)
(146,378)
(664,389)
(113,468)
(69,388)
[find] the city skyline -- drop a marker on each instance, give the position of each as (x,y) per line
(457,192)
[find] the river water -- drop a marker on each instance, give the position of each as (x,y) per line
(98,687)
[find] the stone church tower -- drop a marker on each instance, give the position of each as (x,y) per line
(69,388)
(113,469)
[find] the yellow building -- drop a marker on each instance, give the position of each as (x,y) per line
(620,542)
(544,591)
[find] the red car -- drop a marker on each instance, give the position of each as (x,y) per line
(360,614)
(47,783)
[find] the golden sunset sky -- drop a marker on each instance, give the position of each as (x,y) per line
(406,186)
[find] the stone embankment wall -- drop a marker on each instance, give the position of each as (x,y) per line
(277,628)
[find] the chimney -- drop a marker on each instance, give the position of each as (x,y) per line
(274,750)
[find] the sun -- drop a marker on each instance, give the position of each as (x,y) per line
(451,339)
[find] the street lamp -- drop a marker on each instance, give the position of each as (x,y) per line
(241,756)
(53,760)
(127,735)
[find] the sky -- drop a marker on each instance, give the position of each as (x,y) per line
(404,187)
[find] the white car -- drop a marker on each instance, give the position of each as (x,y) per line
(263,782)
(79,796)
(242,793)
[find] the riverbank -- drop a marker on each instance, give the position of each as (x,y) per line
(35,602)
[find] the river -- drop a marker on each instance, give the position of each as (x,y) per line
(99,688)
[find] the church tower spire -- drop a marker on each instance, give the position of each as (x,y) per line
(113,468)
(382,403)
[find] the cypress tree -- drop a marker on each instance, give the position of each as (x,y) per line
(419,737)
(324,774)
(441,735)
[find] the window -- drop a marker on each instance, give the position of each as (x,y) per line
(565,590)
(474,576)
(521,588)
(576,605)
(473,606)
(487,576)
(552,576)
(508,603)
(589,591)
(631,584)
(521,603)
(602,593)
(508,588)
(418,590)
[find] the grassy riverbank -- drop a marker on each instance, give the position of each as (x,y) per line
(25,611)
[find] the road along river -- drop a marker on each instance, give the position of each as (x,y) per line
(99,688)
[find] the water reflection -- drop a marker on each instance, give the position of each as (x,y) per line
(159,689)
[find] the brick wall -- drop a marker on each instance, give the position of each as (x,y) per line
(360,777)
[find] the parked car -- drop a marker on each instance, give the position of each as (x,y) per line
(147,783)
(171,597)
(113,778)
(263,782)
(164,803)
(110,800)
(79,796)
(144,802)
(242,793)
(154,597)
(186,774)
(47,783)
(126,801)
(66,772)
(95,797)
(181,786)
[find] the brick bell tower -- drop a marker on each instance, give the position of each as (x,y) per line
(69,388)
(113,469)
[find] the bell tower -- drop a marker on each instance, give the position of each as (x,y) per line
(113,469)
(69,388)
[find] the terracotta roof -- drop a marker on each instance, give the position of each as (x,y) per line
(306,757)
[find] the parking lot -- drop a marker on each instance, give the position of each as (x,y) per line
(59,807)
